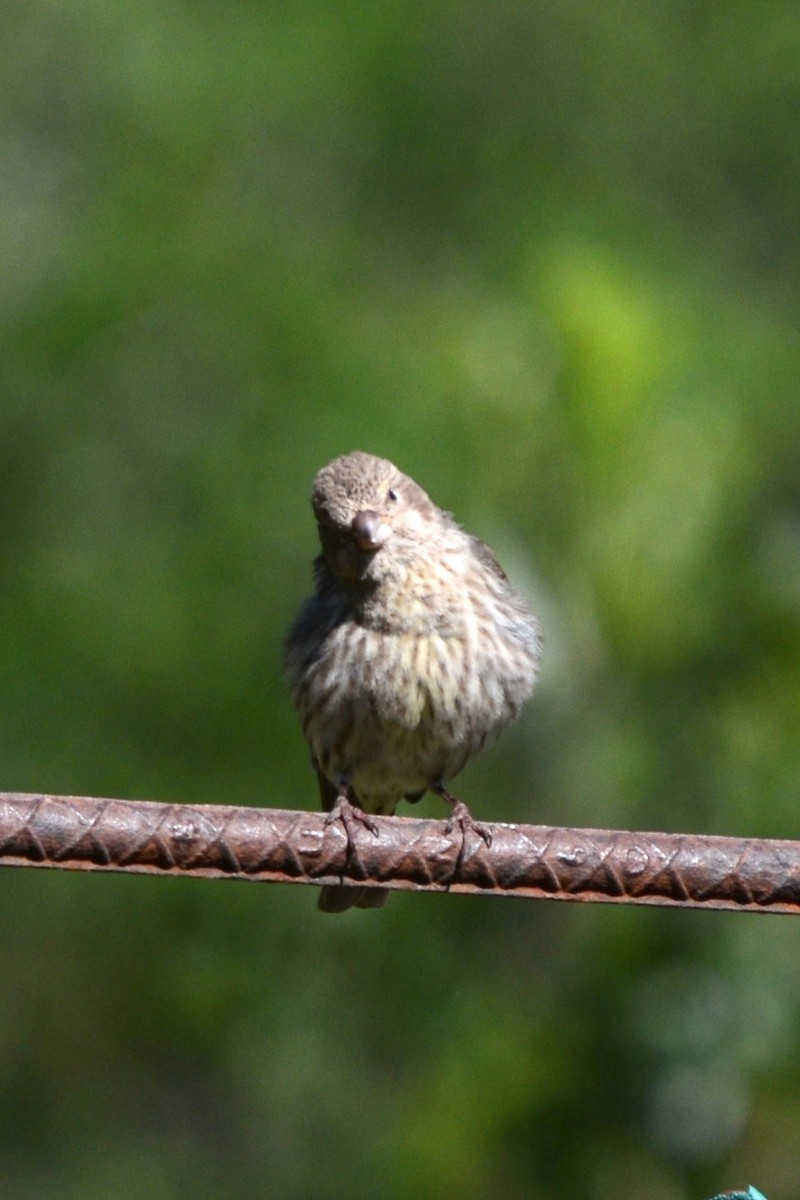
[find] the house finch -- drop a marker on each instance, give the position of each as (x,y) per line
(413,653)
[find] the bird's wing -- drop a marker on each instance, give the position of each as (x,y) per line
(327,792)
(486,555)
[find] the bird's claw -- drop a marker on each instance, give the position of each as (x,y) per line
(461,816)
(351,817)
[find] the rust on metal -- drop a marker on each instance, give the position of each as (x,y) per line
(277,846)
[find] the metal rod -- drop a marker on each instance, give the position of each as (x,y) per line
(276,846)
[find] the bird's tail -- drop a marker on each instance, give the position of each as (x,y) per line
(340,898)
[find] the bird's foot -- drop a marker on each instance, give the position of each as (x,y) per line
(351,817)
(461,816)
(337,898)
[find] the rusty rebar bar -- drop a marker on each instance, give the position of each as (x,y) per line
(275,846)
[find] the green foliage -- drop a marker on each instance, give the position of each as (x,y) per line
(545,258)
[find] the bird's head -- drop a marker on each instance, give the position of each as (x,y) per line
(368,514)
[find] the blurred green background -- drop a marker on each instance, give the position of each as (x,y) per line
(545,257)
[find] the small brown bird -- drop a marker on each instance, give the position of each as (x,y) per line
(414,653)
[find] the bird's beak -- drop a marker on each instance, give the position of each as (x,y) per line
(369,531)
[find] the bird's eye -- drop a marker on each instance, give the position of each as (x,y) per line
(392,496)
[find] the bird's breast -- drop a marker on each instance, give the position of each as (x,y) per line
(395,678)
